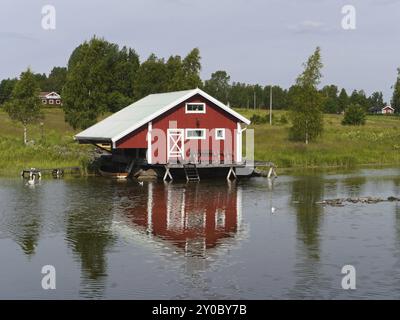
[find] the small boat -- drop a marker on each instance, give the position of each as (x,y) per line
(106,172)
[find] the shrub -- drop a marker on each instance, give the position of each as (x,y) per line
(354,115)
(283,119)
(257,119)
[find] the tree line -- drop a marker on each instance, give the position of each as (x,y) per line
(101,77)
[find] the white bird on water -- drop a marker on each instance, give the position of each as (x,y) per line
(273,209)
(31,181)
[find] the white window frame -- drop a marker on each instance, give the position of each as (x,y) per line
(51,101)
(58,101)
(195,138)
(195,103)
(216,133)
(44,101)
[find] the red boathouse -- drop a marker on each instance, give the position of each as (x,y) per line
(172,129)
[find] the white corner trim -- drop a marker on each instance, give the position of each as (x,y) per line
(149,149)
(239,143)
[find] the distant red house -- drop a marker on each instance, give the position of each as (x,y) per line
(387,110)
(50,98)
(176,127)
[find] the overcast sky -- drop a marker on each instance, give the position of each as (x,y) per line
(255,41)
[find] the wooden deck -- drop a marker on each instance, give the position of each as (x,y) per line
(207,165)
(203,165)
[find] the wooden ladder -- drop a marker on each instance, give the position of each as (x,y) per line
(191,172)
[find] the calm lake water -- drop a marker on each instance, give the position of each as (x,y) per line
(120,240)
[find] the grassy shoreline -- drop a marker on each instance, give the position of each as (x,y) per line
(375,144)
(50,146)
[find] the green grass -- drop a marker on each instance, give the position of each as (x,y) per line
(56,149)
(376,143)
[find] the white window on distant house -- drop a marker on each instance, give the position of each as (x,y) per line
(195,107)
(51,101)
(58,101)
(44,101)
(195,133)
(219,134)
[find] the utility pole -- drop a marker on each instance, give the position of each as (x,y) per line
(254,106)
(270,105)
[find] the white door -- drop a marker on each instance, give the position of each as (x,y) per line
(175,143)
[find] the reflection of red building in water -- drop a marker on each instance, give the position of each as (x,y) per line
(193,217)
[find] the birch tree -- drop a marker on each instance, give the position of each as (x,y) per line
(25,105)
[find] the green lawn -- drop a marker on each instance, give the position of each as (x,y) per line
(54,148)
(376,143)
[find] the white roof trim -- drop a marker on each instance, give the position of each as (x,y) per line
(175,103)
(53,93)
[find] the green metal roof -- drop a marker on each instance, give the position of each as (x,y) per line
(139,113)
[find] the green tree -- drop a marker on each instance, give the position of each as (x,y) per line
(175,74)
(257,95)
(24,105)
(354,115)
(56,79)
(192,66)
(151,77)
(238,95)
(155,75)
(359,97)
(218,85)
(6,88)
(375,100)
(100,78)
(41,79)
(124,74)
(330,96)
(306,102)
(396,93)
(279,97)
(343,100)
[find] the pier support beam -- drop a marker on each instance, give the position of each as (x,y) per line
(272,172)
(167,174)
(231,172)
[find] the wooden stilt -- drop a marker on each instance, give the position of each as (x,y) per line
(129,169)
(167,174)
(272,172)
(231,172)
